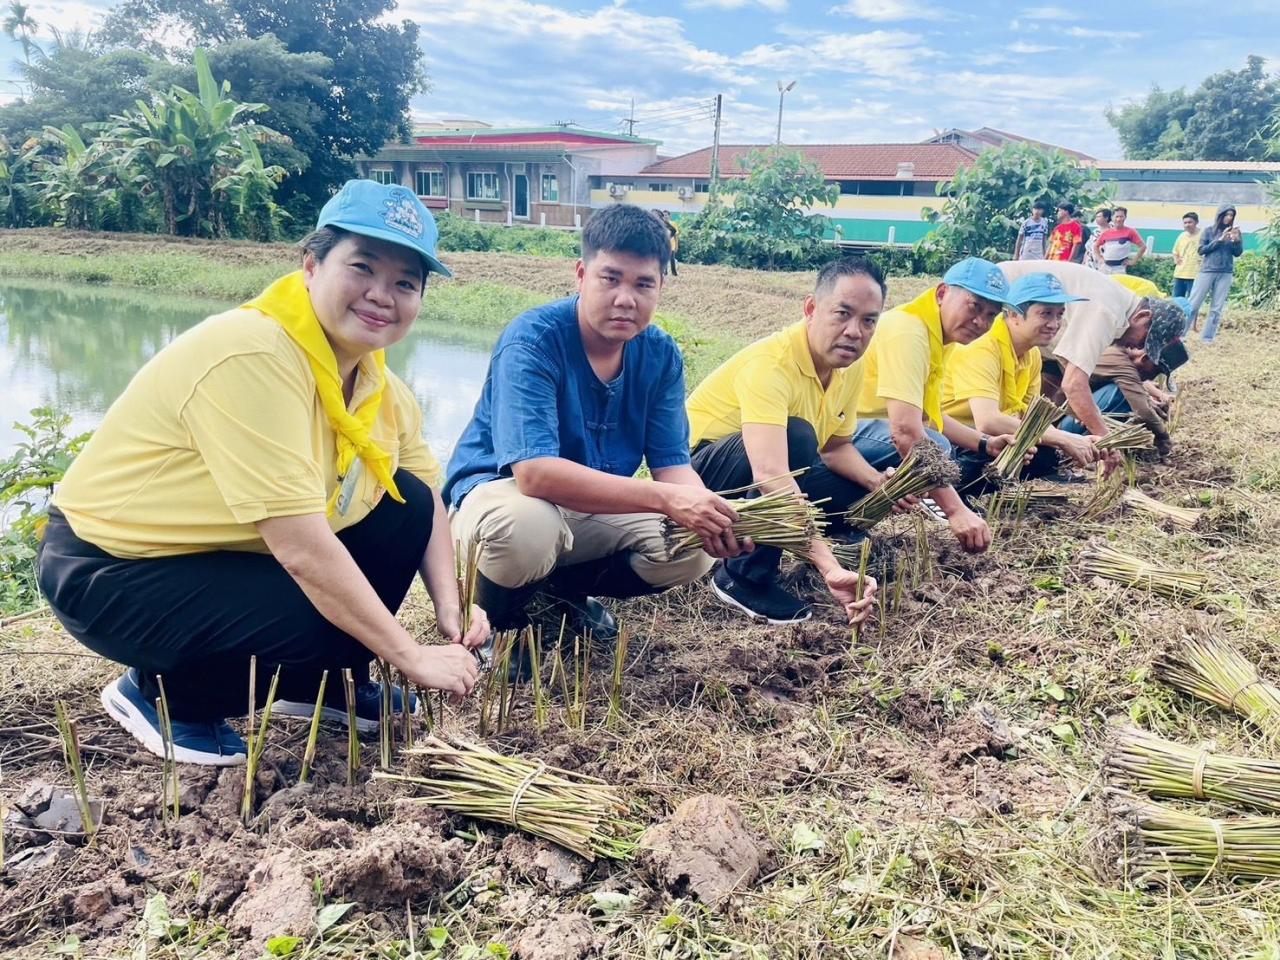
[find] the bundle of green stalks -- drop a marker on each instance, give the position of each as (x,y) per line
(579,813)
(1106,496)
(1162,768)
(1191,846)
(1040,415)
(1211,670)
(1186,517)
(1111,564)
(925,468)
(1126,436)
(786,519)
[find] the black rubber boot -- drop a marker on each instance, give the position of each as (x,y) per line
(505,607)
(574,589)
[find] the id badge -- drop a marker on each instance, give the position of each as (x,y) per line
(349,483)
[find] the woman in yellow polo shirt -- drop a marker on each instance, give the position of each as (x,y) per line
(989,383)
(261,488)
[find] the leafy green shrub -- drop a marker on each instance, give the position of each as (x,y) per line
(458,234)
(27,479)
(1257,282)
(1159,270)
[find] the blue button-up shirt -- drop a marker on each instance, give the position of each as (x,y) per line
(542,399)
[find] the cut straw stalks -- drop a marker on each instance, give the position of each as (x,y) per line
(466,566)
(864,554)
(615,687)
(1111,564)
(71,753)
(386,717)
(256,739)
(1126,436)
(1039,416)
(925,468)
(170,789)
(1162,768)
(578,813)
(313,734)
(1106,496)
(1191,846)
(785,519)
(353,735)
(1212,671)
(1185,517)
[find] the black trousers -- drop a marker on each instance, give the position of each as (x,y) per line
(974,481)
(197,618)
(723,465)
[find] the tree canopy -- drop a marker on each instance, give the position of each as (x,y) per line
(1225,118)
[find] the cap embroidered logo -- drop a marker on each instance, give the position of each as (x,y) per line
(401,215)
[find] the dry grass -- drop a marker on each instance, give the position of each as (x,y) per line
(894,817)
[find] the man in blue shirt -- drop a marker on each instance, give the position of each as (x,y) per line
(578,393)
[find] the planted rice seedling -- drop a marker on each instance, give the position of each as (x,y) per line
(615,688)
(256,743)
(925,468)
(1039,416)
(1106,496)
(1211,670)
(466,568)
(1098,560)
(1162,768)
(386,716)
(1185,517)
(170,790)
(353,735)
(71,754)
(581,814)
(313,734)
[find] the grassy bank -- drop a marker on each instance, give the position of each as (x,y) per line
(933,789)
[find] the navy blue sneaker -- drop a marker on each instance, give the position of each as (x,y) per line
(209,744)
(368,706)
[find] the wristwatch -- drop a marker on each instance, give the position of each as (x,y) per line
(982,446)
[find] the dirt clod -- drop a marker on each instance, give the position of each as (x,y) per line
(393,861)
(567,936)
(704,849)
(276,900)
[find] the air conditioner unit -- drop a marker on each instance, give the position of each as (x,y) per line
(685,193)
(617,190)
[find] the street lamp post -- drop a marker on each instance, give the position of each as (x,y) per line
(782,92)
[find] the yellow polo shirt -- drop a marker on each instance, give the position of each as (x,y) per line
(769,381)
(219,430)
(1187,247)
(905,361)
(1139,285)
(989,368)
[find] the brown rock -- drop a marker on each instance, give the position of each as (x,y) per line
(566,936)
(704,850)
(562,871)
(277,900)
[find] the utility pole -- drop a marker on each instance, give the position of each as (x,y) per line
(715,150)
(782,92)
(630,121)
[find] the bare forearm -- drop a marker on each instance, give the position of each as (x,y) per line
(1075,384)
(948,500)
(843,459)
(575,487)
(994,424)
(960,434)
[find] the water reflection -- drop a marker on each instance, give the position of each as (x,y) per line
(76,348)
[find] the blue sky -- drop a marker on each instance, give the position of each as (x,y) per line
(865,70)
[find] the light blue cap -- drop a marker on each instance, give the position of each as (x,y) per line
(385,212)
(1039,288)
(980,277)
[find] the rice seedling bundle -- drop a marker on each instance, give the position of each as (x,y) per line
(1188,845)
(1126,436)
(1162,768)
(1040,414)
(1186,517)
(786,519)
(579,813)
(1106,495)
(925,468)
(1215,672)
(1111,564)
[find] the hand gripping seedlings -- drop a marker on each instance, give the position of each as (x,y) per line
(1039,416)
(925,468)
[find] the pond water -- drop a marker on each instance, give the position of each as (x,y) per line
(76,347)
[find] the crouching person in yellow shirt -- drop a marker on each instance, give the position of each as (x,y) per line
(989,383)
(901,398)
(262,489)
(789,402)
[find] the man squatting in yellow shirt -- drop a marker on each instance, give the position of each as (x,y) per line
(988,384)
(901,399)
(784,403)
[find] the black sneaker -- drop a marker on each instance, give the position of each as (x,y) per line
(770,603)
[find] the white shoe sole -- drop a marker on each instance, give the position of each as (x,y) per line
(120,709)
(715,588)
(293,708)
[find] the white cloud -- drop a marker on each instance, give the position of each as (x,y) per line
(1049,13)
(888,10)
(1030,48)
(882,53)
(777,6)
(1090,33)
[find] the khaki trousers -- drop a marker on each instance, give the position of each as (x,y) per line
(526,538)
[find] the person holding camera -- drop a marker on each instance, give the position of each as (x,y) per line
(1220,244)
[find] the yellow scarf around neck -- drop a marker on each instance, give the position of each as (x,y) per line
(1014,379)
(288,303)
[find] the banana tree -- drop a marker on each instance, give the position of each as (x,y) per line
(68,177)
